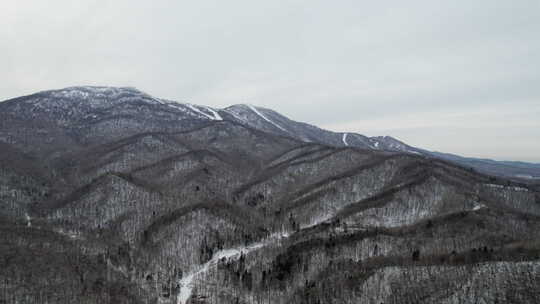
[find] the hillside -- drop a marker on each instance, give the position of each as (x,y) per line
(109,195)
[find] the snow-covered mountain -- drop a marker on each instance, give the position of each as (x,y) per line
(78,108)
(77,105)
(109,195)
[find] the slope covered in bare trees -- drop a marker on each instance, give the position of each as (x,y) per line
(108,195)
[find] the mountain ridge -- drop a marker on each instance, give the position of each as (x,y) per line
(267,120)
(153,203)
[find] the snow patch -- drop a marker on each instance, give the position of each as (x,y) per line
(344,139)
(72,94)
(28,220)
(215,115)
(252,108)
(507,187)
(71,234)
(318,220)
(478,206)
(519,189)
(187,282)
(235,115)
(157,100)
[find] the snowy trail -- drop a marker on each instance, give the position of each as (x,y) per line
(344,139)
(265,118)
(187,282)
(214,116)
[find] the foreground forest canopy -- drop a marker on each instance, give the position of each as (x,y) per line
(109,195)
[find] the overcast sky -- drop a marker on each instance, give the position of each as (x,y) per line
(456,76)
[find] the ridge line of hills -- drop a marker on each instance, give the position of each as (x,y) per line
(267,120)
(108,195)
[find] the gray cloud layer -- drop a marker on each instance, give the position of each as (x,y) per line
(457,76)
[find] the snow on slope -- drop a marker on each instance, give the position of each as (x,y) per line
(194,110)
(235,115)
(28,220)
(478,206)
(252,108)
(344,139)
(187,282)
(507,187)
(214,116)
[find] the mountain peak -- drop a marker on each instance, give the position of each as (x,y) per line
(70,106)
(84,96)
(92,91)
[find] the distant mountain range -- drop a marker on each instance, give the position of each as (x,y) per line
(96,99)
(110,195)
